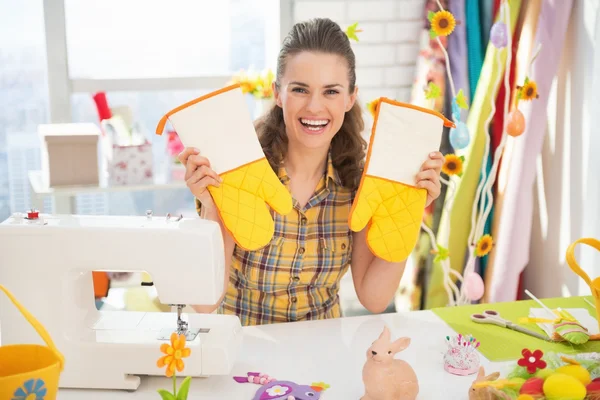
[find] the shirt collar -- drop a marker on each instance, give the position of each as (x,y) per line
(331,173)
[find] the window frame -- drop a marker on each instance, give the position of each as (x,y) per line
(61,87)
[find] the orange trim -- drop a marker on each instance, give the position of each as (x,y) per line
(163,121)
(447,123)
(101,284)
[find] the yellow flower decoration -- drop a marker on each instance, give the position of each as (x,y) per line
(484,246)
(372,106)
(442,23)
(258,85)
(174,354)
(528,91)
(453,165)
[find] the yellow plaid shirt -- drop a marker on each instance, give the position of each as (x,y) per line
(297,276)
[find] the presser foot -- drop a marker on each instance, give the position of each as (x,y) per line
(190,334)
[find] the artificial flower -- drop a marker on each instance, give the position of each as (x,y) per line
(432,91)
(528,91)
(174,354)
(319,386)
(352,30)
(484,246)
(259,85)
(453,165)
(442,23)
(32,389)
(277,390)
(372,106)
(441,253)
(532,361)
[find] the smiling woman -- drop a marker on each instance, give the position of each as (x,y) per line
(312,138)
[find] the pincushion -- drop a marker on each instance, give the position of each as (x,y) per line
(461,358)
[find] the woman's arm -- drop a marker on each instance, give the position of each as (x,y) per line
(229,245)
(375,280)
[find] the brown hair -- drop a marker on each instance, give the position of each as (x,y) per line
(347,146)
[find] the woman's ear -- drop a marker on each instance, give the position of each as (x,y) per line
(353,97)
(276,94)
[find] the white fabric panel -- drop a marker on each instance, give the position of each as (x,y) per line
(404,137)
(221,127)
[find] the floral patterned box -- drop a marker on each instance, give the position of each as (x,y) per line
(130,164)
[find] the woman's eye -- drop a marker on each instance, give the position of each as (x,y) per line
(299,90)
(332,91)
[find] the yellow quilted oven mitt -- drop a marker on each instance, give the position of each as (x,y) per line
(220,126)
(387,201)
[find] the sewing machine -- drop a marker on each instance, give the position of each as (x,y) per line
(47,262)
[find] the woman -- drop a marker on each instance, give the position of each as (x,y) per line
(312,139)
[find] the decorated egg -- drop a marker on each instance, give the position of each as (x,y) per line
(499,35)
(515,123)
(459,136)
(576,371)
(474,286)
(593,390)
(544,373)
(533,386)
(563,387)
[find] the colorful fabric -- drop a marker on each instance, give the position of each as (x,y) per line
(297,275)
(514,234)
(459,217)
(458,52)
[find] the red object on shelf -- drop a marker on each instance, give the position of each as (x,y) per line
(104,111)
(33,214)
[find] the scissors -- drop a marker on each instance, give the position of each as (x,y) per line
(494,318)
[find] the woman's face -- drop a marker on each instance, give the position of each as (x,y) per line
(314,95)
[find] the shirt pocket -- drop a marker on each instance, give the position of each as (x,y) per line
(267,269)
(333,256)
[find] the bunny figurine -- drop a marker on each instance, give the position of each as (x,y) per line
(386,378)
(480,391)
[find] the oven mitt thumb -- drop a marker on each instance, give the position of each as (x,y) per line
(387,201)
(220,126)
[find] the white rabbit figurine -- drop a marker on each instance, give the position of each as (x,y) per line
(386,378)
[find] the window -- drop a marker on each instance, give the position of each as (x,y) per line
(150,55)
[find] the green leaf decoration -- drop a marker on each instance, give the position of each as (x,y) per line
(462,158)
(184,388)
(433,91)
(442,254)
(166,395)
(430,15)
(352,30)
(432,34)
(461,100)
(526,80)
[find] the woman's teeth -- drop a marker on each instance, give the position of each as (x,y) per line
(314,124)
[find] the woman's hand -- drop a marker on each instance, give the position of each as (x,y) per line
(429,176)
(199,175)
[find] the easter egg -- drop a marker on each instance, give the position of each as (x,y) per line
(593,390)
(563,387)
(515,123)
(533,386)
(576,371)
(544,373)
(474,286)
(499,35)
(459,136)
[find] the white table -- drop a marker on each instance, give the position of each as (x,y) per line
(65,196)
(331,351)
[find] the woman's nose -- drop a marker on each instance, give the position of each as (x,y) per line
(315,103)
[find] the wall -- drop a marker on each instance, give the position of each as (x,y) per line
(387,50)
(568,188)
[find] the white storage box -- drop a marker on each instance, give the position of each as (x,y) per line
(70,154)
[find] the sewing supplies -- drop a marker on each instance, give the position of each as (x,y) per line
(461,357)
(564,325)
(493,317)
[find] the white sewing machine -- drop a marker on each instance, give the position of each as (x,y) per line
(47,263)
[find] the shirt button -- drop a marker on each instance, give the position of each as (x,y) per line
(294,299)
(296,278)
(343,246)
(303,221)
(301,250)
